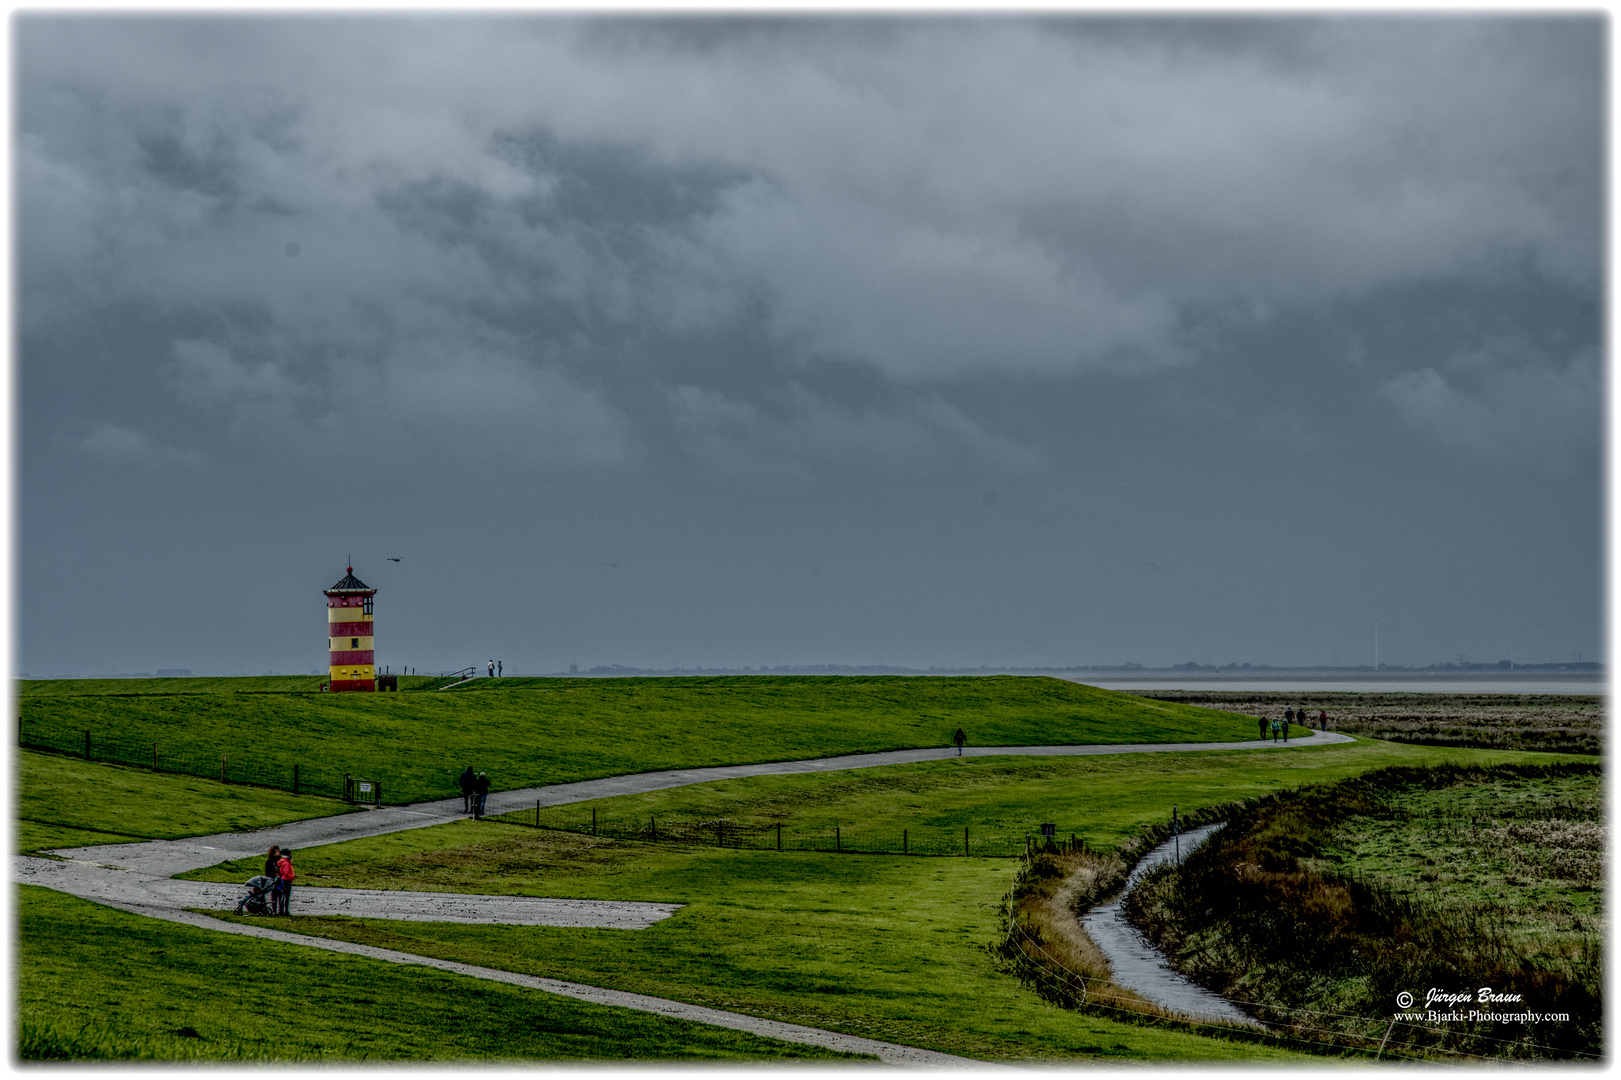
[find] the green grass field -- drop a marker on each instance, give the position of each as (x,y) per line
(1102,799)
(876,947)
(541,731)
(880,946)
(94,983)
(68,802)
(888,947)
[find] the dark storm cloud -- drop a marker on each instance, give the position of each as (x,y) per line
(935,200)
(1062,259)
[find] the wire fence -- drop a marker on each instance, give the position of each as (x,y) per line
(191,759)
(968,841)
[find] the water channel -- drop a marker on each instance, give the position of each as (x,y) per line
(1140,967)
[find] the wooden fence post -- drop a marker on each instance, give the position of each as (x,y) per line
(537,813)
(154,757)
(779,836)
(593,821)
(903,841)
(653,822)
(838,841)
(965,841)
(87,745)
(222,768)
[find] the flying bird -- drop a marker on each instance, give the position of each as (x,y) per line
(392,559)
(614,563)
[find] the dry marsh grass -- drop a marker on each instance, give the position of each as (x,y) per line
(1334,898)
(1562,723)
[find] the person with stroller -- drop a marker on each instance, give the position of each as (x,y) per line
(284,870)
(272,857)
(481,790)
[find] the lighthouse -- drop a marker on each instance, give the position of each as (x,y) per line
(348,628)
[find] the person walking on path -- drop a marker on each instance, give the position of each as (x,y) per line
(1285,731)
(465,781)
(1322,719)
(272,857)
(481,791)
(490,667)
(498,669)
(1288,716)
(1274,731)
(284,870)
(959,739)
(1260,722)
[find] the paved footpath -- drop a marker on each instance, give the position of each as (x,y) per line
(135,878)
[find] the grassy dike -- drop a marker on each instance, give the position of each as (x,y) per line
(525,732)
(888,947)
(66,802)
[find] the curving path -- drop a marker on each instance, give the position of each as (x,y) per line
(135,878)
(1137,965)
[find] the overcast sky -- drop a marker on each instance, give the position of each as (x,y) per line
(724,341)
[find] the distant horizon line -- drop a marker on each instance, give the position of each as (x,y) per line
(1497,668)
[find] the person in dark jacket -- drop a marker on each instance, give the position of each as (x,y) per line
(272,857)
(466,782)
(481,789)
(1261,722)
(959,739)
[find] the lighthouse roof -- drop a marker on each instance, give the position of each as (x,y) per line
(350,583)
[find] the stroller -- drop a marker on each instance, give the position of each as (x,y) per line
(260,899)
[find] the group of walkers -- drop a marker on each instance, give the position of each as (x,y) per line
(279,865)
(475,787)
(1290,716)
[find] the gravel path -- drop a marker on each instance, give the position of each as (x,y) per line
(136,878)
(107,885)
(165,858)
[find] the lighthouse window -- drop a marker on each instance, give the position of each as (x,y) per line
(366,605)
(354,643)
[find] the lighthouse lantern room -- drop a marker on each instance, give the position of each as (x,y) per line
(352,658)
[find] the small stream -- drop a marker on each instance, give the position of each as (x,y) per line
(1140,967)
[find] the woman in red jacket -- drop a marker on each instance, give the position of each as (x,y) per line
(284,870)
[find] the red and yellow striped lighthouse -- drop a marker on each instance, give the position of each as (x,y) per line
(348,629)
